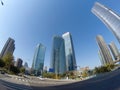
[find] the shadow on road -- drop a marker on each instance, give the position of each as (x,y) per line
(5,85)
(110,81)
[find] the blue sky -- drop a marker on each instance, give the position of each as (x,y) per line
(30,22)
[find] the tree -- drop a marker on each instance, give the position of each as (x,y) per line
(14,69)
(49,75)
(22,70)
(103,69)
(8,59)
(85,73)
(2,64)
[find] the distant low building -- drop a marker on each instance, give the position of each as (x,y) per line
(84,68)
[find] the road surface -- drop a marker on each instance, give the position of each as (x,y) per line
(108,81)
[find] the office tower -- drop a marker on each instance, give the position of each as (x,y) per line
(58,63)
(27,69)
(9,47)
(101,57)
(105,53)
(38,59)
(69,52)
(114,50)
(25,65)
(18,63)
(108,17)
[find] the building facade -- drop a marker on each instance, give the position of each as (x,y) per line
(114,50)
(58,61)
(108,17)
(9,47)
(104,51)
(38,59)
(102,59)
(18,63)
(69,52)
(25,65)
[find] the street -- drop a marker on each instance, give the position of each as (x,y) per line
(107,81)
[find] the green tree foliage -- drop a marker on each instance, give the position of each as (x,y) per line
(49,75)
(14,70)
(102,69)
(85,74)
(2,64)
(8,59)
(22,70)
(70,74)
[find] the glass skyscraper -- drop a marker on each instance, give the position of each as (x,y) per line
(114,50)
(38,59)
(58,63)
(9,47)
(108,17)
(104,51)
(69,52)
(101,58)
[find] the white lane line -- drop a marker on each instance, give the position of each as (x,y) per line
(16,87)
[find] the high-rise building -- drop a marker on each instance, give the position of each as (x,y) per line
(38,59)
(69,52)
(101,58)
(58,61)
(25,65)
(104,51)
(18,63)
(9,47)
(108,17)
(114,50)
(27,69)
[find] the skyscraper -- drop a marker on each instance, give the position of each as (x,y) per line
(108,17)
(58,63)
(101,58)
(69,52)
(104,51)
(18,63)
(38,59)
(114,50)
(25,65)
(9,47)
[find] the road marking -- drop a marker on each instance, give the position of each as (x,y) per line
(15,87)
